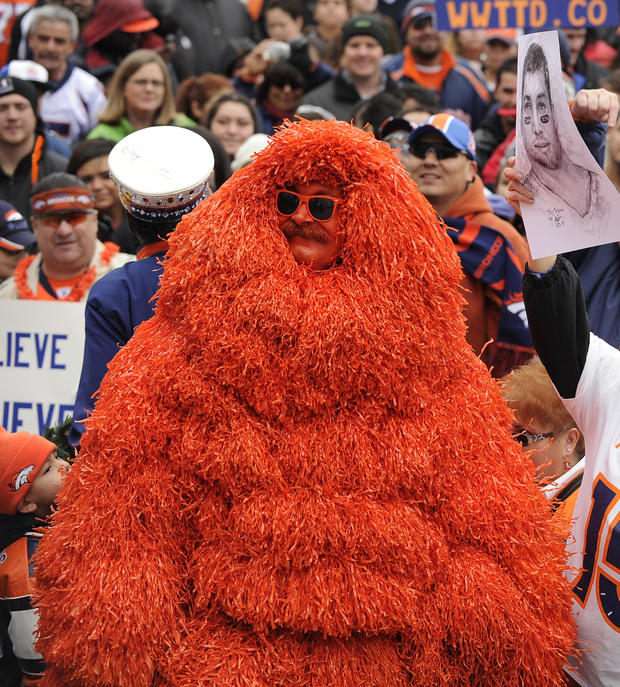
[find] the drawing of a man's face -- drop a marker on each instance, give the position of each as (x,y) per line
(538,127)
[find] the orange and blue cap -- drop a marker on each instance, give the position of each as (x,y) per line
(21,458)
(455,131)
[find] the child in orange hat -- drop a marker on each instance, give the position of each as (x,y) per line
(30,476)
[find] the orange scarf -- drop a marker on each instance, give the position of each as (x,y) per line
(432,80)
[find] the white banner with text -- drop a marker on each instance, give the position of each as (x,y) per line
(41,350)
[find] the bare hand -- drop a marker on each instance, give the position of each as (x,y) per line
(255,62)
(596,105)
(516,192)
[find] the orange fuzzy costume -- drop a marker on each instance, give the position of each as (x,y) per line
(297,478)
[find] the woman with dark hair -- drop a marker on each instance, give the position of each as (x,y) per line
(140,96)
(279,95)
(89,162)
(195,92)
(232,119)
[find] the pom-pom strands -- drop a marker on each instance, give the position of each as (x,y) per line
(303,479)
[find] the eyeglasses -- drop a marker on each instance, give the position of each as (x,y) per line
(526,438)
(74,218)
(146,82)
(443,151)
(320,207)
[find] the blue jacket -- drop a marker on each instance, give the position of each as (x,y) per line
(116,305)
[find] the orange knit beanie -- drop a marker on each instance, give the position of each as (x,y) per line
(21,457)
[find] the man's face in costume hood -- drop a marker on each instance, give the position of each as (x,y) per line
(315,242)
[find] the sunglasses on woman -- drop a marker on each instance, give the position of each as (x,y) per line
(526,438)
(320,207)
(443,151)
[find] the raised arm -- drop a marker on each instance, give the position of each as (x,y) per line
(554,303)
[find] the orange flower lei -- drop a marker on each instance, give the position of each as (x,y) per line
(81,287)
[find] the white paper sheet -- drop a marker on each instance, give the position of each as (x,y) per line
(576,205)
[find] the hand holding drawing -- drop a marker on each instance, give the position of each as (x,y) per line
(517,193)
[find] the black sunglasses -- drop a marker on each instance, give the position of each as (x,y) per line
(320,207)
(526,438)
(443,151)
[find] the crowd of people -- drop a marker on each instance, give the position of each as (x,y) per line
(200,88)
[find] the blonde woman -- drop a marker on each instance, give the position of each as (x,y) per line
(140,96)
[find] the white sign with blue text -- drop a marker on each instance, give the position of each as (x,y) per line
(41,350)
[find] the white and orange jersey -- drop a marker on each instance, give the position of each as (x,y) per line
(593,547)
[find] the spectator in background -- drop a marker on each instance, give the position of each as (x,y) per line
(468,44)
(232,119)
(83,10)
(542,425)
(195,92)
(500,45)
(74,99)
(425,61)
(233,56)
(417,99)
(395,131)
(584,73)
(16,239)
(89,163)
(140,96)
(208,27)
(117,28)
(442,162)
(392,8)
(364,41)
(36,75)
(370,7)
(278,95)
(549,434)
(497,130)
(370,114)
(325,35)
(10,11)
(31,474)
(24,157)
(284,19)
(298,53)
(70,259)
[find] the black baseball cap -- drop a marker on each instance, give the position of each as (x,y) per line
(15,235)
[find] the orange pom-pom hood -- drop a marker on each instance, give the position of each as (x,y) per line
(305,478)
(293,340)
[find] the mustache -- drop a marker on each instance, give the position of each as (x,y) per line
(311,231)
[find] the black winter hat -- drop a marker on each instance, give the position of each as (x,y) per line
(366,25)
(11,84)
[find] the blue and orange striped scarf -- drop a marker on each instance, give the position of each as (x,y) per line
(488,256)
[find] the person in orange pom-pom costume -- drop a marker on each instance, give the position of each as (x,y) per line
(297,473)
